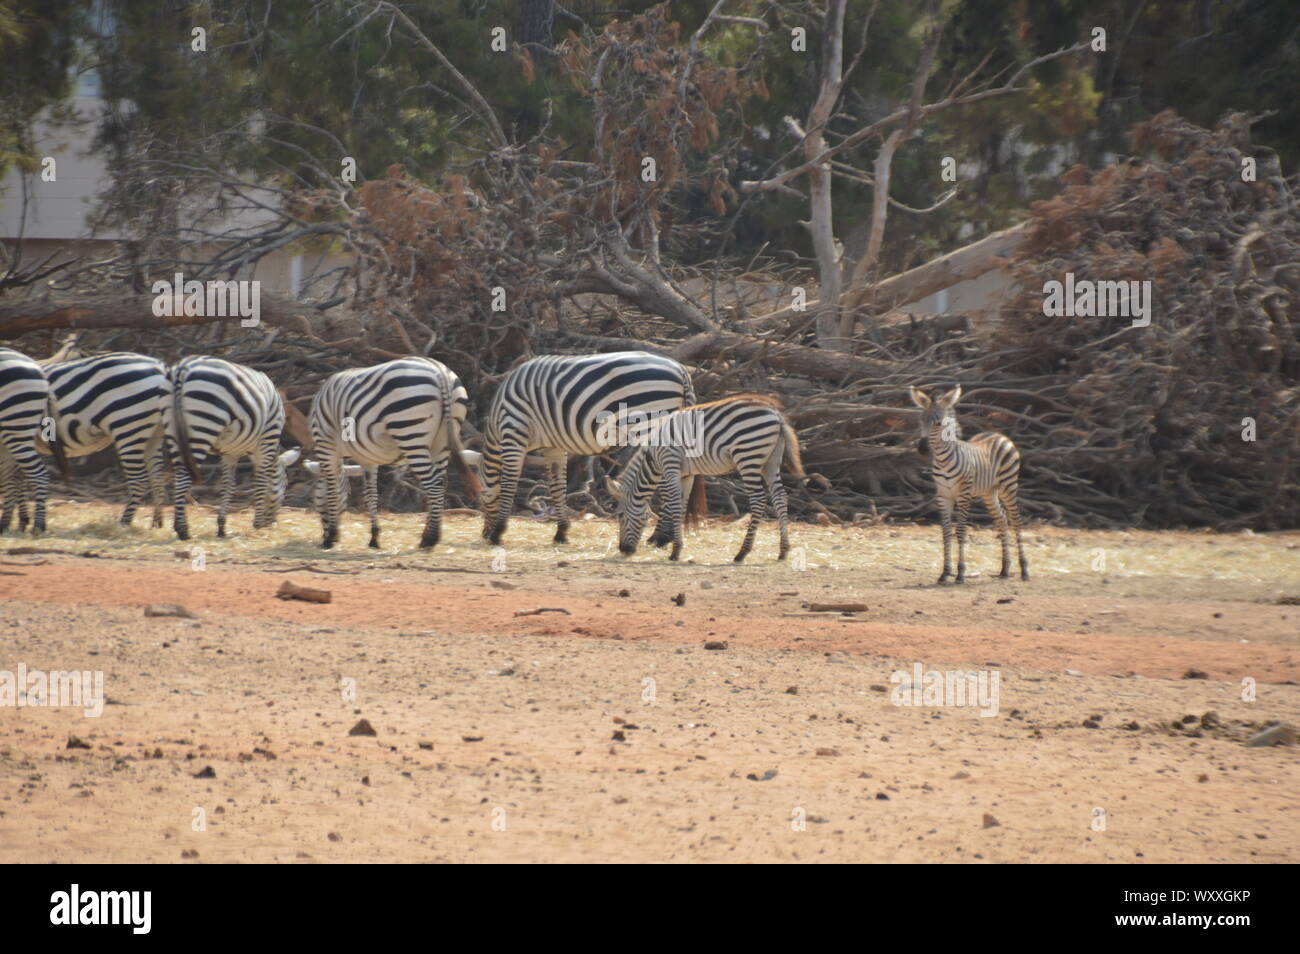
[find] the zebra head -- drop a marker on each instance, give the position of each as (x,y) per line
(631,506)
(320,488)
(938,413)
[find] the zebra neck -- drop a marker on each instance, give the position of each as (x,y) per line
(942,450)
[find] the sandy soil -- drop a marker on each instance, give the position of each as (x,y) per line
(604,730)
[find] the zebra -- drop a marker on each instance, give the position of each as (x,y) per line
(218,407)
(26,411)
(408,409)
(117,400)
(744,433)
(986,466)
(570,404)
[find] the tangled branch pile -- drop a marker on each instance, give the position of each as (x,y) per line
(1194,419)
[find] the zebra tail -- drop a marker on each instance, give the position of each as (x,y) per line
(56,445)
(698,506)
(182,434)
(791,453)
(467,475)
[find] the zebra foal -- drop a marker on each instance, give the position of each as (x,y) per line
(986,466)
(745,434)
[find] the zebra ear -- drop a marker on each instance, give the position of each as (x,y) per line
(920,399)
(949,400)
(312,466)
(611,485)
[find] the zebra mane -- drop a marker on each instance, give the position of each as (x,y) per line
(766,399)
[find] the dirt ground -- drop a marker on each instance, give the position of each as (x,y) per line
(602,728)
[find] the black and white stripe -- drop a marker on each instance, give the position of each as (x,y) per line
(230,411)
(559,405)
(745,434)
(116,400)
(25,413)
(410,410)
(987,466)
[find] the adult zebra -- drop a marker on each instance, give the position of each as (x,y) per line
(226,409)
(117,400)
(25,411)
(409,409)
(987,466)
(744,433)
(570,404)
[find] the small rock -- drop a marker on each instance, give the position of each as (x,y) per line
(828,751)
(680,599)
(168,609)
(334,836)
(1210,720)
(502,585)
(990,821)
(715,644)
(1281,734)
(76,743)
(206,773)
(1196,674)
(961,775)
(363,727)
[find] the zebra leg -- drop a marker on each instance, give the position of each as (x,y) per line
(136,470)
(331,509)
(432,474)
(1011,504)
(963,516)
(1000,517)
(945,517)
(372,504)
(663,531)
(671,516)
(557,480)
(157,485)
(266,502)
(228,465)
(776,490)
(14,490)
(757,511)
(512,466)
(32,473)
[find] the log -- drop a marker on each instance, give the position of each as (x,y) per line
(969,261)
(806,362)
(292,591)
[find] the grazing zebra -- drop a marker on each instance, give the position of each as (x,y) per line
(25,410)
(231,411)
(745,434)
(986,466)
(410,409)
(570,404)
(116,399)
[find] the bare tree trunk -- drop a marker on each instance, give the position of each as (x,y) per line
(821,222)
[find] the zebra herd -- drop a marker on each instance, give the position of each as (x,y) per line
(412,410)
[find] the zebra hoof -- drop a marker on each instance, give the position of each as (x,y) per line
(561,538)
(374,543)
(1024,575)
(960,580)
(944,579)
(739,558)
(428,543)
(1004,575)
(221,532)
(182,533)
